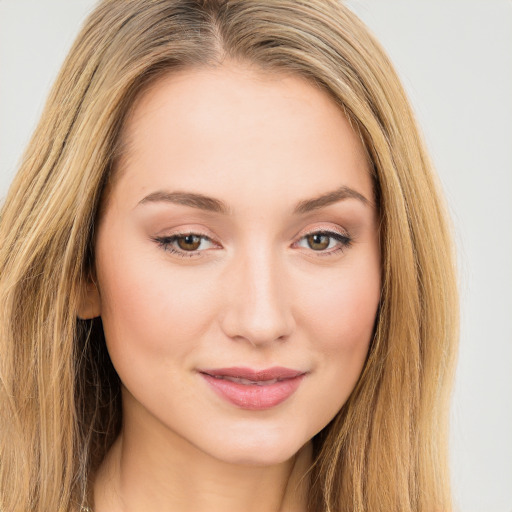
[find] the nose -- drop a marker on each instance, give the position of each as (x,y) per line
(258,305)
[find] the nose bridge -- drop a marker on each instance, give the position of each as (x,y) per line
(258,308)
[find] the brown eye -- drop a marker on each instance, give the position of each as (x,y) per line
(186,244)
(325,243)
(189,242)
(318,241)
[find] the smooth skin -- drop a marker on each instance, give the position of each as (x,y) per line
(279,266)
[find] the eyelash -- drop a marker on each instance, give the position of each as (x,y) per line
(343,239)
(165,242)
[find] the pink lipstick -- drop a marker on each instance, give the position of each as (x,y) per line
(254,389)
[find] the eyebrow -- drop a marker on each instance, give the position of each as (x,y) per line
(188,199)
(211,204)
(329,198)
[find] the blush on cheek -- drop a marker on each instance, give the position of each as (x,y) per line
(347,315)
(152,304)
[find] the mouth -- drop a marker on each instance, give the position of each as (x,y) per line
(248,382)
(253,389)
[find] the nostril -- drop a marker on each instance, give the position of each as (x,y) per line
(258,329)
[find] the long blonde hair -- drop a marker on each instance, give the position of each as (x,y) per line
(59,395)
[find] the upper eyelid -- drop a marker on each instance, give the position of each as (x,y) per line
(324,230)
(186,233)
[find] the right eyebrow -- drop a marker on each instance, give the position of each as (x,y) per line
(188,199)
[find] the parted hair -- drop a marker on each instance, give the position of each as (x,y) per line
(60,407)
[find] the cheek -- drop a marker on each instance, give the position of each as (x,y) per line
(148,311)
(343,315)
(339,320)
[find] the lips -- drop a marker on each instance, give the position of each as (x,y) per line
(253,389)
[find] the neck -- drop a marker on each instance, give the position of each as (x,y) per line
(160,471)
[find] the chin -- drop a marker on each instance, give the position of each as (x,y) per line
(257,448)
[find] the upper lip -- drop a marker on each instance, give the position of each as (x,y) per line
(276,372)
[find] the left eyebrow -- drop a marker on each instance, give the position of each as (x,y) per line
(329,198)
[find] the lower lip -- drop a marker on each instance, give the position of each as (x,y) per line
(253,396)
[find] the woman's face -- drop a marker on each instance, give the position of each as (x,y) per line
(237,263)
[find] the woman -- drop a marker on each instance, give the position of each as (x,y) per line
(226,273)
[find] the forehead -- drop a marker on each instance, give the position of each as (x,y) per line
(237,126)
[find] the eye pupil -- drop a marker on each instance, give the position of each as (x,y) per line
(189,242)
(318,241)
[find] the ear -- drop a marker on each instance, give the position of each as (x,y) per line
(90,302)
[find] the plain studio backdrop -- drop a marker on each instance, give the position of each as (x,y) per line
(455,59)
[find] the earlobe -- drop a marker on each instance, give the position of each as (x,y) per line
(89,306)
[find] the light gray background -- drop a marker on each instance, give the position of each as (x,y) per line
(455,58)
